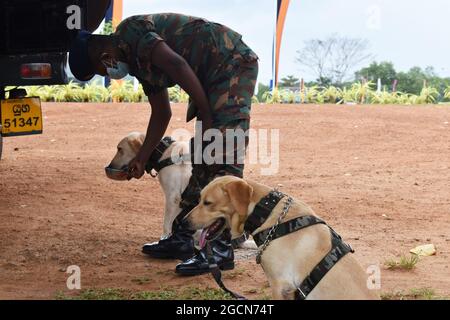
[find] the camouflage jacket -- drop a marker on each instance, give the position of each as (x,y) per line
(209,48)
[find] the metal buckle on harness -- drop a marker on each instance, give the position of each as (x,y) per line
(167,142)
(301,292)
(350,247)
(163,145)
(153,173)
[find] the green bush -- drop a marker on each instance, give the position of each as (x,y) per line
(357,93)
(272,97)
(332,94)
(178,95)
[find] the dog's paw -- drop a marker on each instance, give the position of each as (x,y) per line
(249,245)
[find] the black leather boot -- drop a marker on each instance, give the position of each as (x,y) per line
(180,245)
(223,256)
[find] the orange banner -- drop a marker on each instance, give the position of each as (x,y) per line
(117,12)
(282,10)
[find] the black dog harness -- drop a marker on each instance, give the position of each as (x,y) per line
(155,163)
(261,213)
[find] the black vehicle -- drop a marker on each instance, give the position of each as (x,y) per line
(35,36)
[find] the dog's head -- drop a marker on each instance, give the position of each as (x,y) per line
(223,205)
(127,150)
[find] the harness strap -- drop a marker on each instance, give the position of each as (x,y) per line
(263,210)
(287,228)
(162,164)
(217,274)
(338,250)
(154,162)
(169,162)
(259,215)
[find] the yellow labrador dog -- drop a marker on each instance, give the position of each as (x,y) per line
(173,179)
(228,202)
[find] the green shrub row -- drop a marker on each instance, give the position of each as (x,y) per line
(124,91)
(118,91)
(357,93)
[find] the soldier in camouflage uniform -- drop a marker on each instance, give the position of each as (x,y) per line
(218,71)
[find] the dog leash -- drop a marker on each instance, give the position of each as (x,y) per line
(217,274)
(214,268)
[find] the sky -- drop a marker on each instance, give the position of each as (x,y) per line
(407,32)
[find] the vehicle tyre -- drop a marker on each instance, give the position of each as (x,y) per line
(1,142)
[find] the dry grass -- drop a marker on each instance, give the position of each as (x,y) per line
(404,263)
(413,294)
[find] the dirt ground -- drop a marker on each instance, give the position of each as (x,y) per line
(380,175)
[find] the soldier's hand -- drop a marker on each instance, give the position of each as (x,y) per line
(136,169)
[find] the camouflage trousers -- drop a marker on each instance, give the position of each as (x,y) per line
(230,95)
(230,88)
(231,91)
(203,174)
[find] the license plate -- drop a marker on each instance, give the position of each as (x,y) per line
(21,117)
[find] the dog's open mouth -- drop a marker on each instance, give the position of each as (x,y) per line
(212,232)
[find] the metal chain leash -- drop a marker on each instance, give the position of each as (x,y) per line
(287,206)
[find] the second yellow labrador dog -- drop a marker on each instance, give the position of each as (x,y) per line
(173,179)
(228,202)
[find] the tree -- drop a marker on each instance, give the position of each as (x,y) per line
(412,81)
(383,70)
(334,57)
(289,82)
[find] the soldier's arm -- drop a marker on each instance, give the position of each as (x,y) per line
(159,120)
(180,72)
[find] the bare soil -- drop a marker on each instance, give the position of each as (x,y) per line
(380,175)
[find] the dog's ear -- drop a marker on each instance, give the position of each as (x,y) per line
(136,142)
(240,193)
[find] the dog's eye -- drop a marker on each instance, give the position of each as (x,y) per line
(119,150)
(207,203)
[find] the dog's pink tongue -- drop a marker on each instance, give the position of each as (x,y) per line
(202,240)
